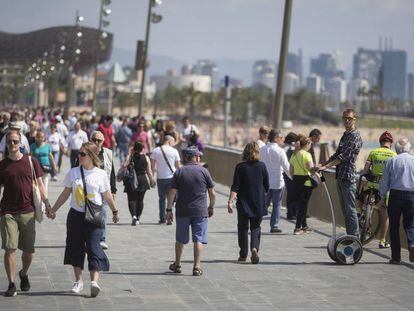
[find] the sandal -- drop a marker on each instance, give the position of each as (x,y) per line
(174,268)
(197,271)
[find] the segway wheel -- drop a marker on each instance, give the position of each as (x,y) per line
(331,255)
(348,250)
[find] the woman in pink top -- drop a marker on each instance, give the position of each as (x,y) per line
(141,136)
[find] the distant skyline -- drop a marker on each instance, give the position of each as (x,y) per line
(234,29)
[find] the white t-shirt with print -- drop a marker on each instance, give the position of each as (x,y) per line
(55,140)
(97,182)
(163,171)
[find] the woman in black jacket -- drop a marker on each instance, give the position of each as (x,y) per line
(250,184)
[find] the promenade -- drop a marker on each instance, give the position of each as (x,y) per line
(295,272)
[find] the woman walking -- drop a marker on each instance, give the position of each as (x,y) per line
(57,143)
(301,165)
(84,237)
(250,184)
(142,166)
(43,153)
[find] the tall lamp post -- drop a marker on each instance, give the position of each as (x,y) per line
(154,18)
(103,12)
(280,87)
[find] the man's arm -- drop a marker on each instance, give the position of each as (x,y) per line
(285,164)
(170,200)
(212,197)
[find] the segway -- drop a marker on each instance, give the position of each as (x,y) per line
(342,248)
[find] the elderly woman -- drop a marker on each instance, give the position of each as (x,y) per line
(250,184)
(83,237)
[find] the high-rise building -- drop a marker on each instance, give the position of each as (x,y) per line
(326,67)
(410,84)
(264,73)
(357,87)
(294,65)
(292,83)
(206,67)
(336,88)
(314,84)
(367,65)
(394,74)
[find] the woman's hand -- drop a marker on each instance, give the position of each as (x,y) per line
(115,217)
(229,208)
(152,182)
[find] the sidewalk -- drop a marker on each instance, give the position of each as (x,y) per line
(295,272)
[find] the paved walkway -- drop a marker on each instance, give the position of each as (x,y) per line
(295,272)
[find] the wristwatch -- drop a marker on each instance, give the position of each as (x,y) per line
(169,210)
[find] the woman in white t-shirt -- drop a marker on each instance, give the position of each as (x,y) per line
(83,237)
(57,143)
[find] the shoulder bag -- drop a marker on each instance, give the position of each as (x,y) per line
(93,212)
(166,160)
(313,177)
(37,198)
(130,175)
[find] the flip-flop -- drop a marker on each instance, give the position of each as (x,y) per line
(174,268)
(197,271)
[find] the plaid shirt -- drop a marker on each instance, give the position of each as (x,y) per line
(347,152)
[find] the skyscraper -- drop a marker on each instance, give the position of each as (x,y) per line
(294,65)
(394,74)
(367,65)
(314,84)
(410,84)
(264,73)
(206,67)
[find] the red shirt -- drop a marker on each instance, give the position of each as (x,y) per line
(107,133)
(16,178)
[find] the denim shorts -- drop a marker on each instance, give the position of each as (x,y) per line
(198,225)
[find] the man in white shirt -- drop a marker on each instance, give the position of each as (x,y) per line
(186,132)
(75,140)
(275,159)
(164,160)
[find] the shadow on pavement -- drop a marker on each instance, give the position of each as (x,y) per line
(52,293)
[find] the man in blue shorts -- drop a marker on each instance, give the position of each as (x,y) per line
(190,184)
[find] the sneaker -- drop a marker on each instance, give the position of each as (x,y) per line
(297,231)
(134,221)
(275,230)
(384,244)
(95,289)
(104,245)
(54,178)
(11,290)
(307,229)
(162,221)
(255,256)
(394,262)
(77,287)
(24,282)
(169,223)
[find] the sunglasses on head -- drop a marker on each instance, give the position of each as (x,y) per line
(96,140)
(13,142)
(82,154)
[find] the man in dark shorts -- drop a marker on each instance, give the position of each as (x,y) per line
(17,221)
(191,183)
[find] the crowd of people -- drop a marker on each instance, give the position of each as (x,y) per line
(156,153)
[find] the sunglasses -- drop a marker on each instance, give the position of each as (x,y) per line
(95,140)
(13,142)
(82,154)
(348,118)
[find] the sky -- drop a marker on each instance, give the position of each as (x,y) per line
(234,29)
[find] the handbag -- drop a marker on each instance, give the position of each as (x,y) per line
(314,178)
(37,198)
(130,176)
(93,212)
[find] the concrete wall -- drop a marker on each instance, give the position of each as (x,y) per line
(222,161)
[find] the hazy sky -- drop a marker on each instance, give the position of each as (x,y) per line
(240,29)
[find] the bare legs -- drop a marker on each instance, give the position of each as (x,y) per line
(10,263)
(198,248)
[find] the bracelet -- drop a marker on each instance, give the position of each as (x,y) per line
(115,212)
(169,209)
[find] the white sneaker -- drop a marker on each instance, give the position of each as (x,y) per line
(103,245)
(54,178)
(95,289)
(77,287)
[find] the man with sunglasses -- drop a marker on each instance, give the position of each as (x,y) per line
(17,221)
(107,164)
(344,159)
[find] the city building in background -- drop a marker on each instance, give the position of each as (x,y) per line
(292,83)
(294,65)
(410,84)
(336,89)
(314,84)
(264,74)
(206,67)
(201,83)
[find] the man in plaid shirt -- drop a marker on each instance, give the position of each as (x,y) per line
(344,159)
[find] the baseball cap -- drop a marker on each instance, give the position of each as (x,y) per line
(192,152)
(15,126)
(58,118)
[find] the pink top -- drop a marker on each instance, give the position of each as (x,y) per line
(142,137)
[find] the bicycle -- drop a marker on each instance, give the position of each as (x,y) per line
(369,219)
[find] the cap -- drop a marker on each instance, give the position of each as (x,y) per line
(58,118)
(192,152)
(14,126)
(386,136)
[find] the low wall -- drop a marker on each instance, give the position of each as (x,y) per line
(222,161)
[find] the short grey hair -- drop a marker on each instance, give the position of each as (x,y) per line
(94,133)
(402,145)
(169,138)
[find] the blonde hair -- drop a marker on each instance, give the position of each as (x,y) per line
(92,150)
(251,152)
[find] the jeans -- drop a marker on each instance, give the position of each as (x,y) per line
(163,186)
(275,196)
(347,193)
(400,202)
(243,222)
(55,155)
(74,159)
(123,151)
(105,210)
(291,205)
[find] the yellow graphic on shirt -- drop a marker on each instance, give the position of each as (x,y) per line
(80,197)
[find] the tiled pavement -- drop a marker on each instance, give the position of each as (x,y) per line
(295,272)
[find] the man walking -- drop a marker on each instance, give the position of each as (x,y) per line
(75,140)
(17,222)
(344,159)
(275,159)
(398,179)
(165,160)
(123,136)
(191,183)
(107,164)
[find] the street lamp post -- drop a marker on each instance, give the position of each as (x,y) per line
(155,18)
(280,86)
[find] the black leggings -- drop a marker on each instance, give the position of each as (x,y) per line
(302,206)
(136,202)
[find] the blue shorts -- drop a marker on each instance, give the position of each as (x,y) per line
(198,225)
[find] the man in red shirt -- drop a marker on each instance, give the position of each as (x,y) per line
(108,132)
(17,221)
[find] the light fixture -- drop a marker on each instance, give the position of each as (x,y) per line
(105,23)
(43,73)
(44,62)
(63,47)
(104,35)
(61,61)
(80,18)
(155,18)
(106,12)
(52,68)
(77,51)
(156,3)
(79,34)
